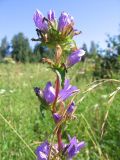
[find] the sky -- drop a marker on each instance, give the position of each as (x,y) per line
(95,18)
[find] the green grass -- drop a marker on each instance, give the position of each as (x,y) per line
(20,107)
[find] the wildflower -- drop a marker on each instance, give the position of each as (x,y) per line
(42,151)
(71,108)
(67,91)
(57,117)
(64,20)
(51,16)
(39,21)
(73,148)
(48,94)
(74,57)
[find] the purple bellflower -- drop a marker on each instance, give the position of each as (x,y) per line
(48,94)
(73,148)
(42,151)
(67,91)
(39,21)
(64,20)
(57,117)
(51,15)
(71,108)
(74,57)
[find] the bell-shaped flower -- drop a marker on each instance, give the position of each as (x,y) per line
(57,117)
(67,91)
(74,57)
(39,21)
(73,148)
(71,108)
(42,151)
(64,20)
(51,15)
(48,94)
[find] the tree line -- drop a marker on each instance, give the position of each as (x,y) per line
(19,50)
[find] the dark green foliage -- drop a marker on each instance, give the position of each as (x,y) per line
(21,50)
(108,64)
(37,54)
(40,52)
(4,48)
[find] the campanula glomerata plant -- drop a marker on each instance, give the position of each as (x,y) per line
(58,98)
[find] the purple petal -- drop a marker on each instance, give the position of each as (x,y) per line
(75,57)
(51,15)
(80,145)
(42,151)
(71,151)
(49,93)
(67,91)
(38,19)
(71,108)
(66,84)
(57,117)
(64,20)
(73,147)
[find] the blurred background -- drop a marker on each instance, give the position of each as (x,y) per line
(97,76)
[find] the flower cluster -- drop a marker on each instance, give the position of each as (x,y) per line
(58,34)
(52,31)
(69,150)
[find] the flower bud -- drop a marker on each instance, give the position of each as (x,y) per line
(57,117)
(39,21)
(74,57)
(64,20)
(71,108)
(49,93)
(51,15)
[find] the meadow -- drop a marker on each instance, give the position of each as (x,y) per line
(22,126)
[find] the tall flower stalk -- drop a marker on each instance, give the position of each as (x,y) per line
(58,34)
